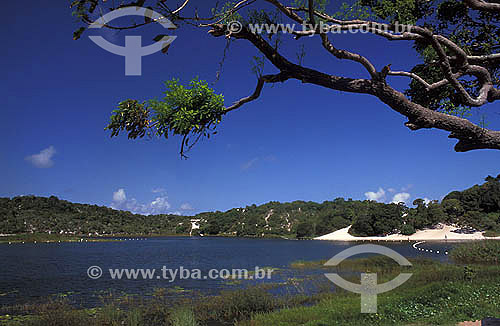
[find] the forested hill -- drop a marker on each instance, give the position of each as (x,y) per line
(477,207)
(28,214)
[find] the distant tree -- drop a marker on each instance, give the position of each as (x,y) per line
(363,226)
(377,219)
(305,229)
(475,219)
(435,213)
(453,195)
(453,209)
(426,215)
(407,229)
(39,214)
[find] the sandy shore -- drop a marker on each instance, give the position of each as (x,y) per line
(423,235)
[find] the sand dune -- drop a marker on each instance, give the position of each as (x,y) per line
(444,233)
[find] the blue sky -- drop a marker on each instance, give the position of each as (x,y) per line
(296,142)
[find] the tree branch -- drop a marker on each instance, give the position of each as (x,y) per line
(343,54)
(180,8)
(453,60)
(470,136)
(483,5)
(281,77)
(427,86)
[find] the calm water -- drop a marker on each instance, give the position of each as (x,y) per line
(31,272)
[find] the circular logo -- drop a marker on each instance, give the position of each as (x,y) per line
(133,51)
(94,272)
(368,287)
(235,27)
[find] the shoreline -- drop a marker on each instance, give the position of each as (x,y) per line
(443,234)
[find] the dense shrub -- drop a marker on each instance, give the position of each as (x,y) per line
(407,229)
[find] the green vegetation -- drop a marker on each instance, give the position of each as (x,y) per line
(30,214)
(183,317)
(491,234)
(432,304)
(378,219)
(407,229)
(477,207)
(193,111)
(487,252)
(437,294)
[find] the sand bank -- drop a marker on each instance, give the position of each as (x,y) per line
(444,233)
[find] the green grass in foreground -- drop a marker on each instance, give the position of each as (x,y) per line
(487,252)
(437,294)
(437,303)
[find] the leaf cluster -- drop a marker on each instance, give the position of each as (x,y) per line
(195,110)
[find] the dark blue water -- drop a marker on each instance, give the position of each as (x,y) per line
(31,272)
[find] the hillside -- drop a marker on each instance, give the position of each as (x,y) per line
(30,214)
(477,207)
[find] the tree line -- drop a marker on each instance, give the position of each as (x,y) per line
(477,207)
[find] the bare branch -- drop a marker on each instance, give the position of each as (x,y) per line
(281,77)
(180,8)
(311,12)
(343,54)
(240,5)
(427,86)
(483,5)
(479,59)
(286,11)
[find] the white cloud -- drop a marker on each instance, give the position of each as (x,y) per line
(119,196)
(247,165)
(402,197)
(43,159)
(159,205)
(376,196)
(406,188)
(270,158)
(391,190)
(158,190)
(426,201)
(186,207)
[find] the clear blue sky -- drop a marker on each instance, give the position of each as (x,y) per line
(297,142)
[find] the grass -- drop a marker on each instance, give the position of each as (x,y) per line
(486,252)
(432,304)
(183,317)
(437,294)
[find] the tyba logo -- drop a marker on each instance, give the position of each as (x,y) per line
(133,51)
(368,287)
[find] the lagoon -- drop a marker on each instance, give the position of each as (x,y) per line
(32,272)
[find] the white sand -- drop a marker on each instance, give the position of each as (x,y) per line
(423,235)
